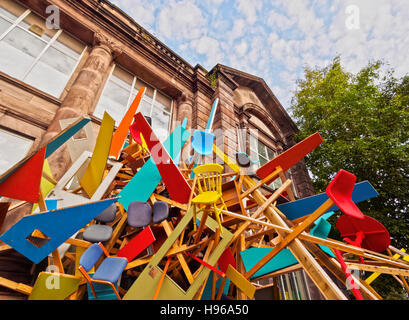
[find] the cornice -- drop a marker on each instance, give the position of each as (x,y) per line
(127,33)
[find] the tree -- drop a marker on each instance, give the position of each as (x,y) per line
(364,121)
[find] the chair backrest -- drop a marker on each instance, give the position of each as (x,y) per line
(209,177)
(340,191)
(90,257)
(139,214)
(160,211)
(108,215)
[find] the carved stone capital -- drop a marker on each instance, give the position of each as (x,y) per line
(185,98)
(100,40)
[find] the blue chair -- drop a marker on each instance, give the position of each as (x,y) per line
(202,142)
(109,270)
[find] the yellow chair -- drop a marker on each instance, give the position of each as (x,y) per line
(209,183)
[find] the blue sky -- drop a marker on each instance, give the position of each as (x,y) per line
(275,39)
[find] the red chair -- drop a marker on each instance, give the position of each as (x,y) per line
(340,191)
(368,233)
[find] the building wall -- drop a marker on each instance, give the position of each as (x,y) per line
(107,38)
(112,38)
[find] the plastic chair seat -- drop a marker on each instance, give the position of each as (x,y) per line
(207,197)
(110,269)
(97,233)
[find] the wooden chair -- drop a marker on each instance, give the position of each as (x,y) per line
(209,183)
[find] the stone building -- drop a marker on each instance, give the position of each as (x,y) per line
(63,59)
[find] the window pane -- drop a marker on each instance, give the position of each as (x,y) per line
(146,106)
(263,161)
(11,9)
(253,143)
(52,72)
(115,97)
(13,149)
(113,101)
(270,153)
(36,25)
(276,184)
(163,101)
(160,123)
(149,90)
(262,149)
(4,25)
(18,51)
(69,45)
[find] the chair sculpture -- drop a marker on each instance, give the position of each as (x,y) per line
(109,270)
(340,192)
(209,183)
(101,232)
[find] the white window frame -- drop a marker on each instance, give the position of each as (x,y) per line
(50,43)
(19,136)
(133,90)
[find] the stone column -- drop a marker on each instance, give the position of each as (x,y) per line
(185,110)
(81,97)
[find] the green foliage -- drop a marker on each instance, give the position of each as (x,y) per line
(213,77)
(364,121)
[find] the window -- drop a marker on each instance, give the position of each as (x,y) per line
(29,51)
(13,148)
(259,151)
(119,92)
(293,286)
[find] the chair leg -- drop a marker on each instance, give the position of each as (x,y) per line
(93,290)
(194,217)
(216,213)
(115,291)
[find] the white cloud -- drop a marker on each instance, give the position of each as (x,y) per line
(237,31)
(241,48)
(142,12)
(210,47)
(249,9)
(181,20)
(279,21)
(275,39)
